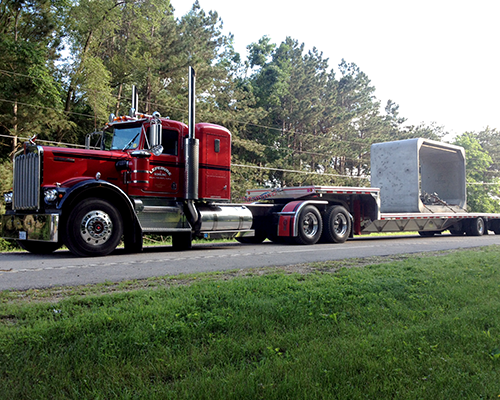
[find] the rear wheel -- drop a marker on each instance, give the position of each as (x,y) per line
(475,227)
(39,247)
(310,226)
(94,228)
(337,225)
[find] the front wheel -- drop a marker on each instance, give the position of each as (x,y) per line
(94,228)
(310,226)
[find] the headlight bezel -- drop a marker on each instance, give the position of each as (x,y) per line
(7,197)
(50,195)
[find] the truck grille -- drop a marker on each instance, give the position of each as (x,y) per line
(27,181)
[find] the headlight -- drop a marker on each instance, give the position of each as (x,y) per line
(50,195)
(8,197)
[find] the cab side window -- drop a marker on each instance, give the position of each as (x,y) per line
(169,141)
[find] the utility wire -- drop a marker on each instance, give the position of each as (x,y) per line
(302,134)
(46,108)
(298,172)
(164,106)
(44,141)
(252,166)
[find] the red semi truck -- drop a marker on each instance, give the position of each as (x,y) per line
(154,175)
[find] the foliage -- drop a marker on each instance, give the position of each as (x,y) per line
(5,181)
(424,327)
(483,184)
(294,119)
(29,45)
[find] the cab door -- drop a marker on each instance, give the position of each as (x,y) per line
(165,169)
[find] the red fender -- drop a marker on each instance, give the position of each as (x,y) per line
(288,216)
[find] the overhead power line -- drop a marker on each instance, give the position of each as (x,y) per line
(278,129)
(45,141)
(297,171)
(250,166)
(46,108)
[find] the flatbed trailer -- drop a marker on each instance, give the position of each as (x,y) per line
(364,204)
(407,172)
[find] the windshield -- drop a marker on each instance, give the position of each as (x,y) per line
(122,137)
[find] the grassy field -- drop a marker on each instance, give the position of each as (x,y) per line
(416,327)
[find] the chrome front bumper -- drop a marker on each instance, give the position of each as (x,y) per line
(38,227)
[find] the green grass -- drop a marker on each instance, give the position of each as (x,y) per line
(420,327)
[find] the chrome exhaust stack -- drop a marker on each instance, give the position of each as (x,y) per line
(135,103)
(191,146)
(192,151)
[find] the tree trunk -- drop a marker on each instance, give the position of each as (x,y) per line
(119,99)
(14,129)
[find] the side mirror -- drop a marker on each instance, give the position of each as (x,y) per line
(157,150)
(155,131)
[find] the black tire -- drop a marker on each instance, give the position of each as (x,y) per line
(310,226)
(427,233)
(336,225)
(182,241)
(39,247)
(457,229)
(475,227)
(94,228)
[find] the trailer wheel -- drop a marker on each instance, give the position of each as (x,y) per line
(457,229)
(94,228)
(39,247)
(337,225)
(310,226)
(475,227)
(427,233)
(182,241)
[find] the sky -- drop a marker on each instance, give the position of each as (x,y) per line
(439,60)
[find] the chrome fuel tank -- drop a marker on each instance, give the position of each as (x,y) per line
(225,218)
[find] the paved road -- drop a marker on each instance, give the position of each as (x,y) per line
(25,271)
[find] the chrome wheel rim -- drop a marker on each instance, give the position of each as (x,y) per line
(96,227)
(480,226)
(310,224)
(340,224)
